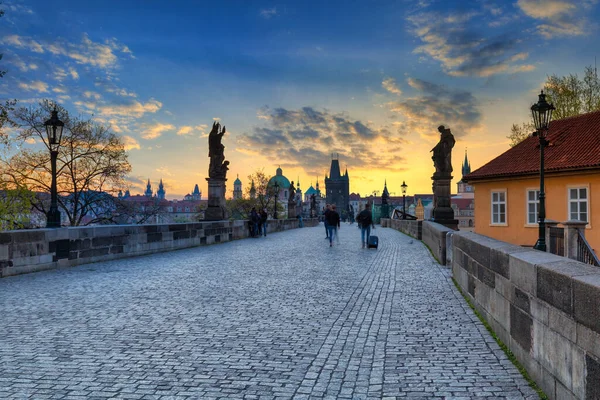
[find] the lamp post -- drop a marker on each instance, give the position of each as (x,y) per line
(403,186)
(276,186)
(542,115)
(54,129)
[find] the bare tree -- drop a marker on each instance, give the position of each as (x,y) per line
(92,164)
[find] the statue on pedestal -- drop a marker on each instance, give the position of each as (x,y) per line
(218,166)
(442,152)
(292,196)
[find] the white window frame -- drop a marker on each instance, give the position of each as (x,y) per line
(587,200)
(537,206)
(492,203)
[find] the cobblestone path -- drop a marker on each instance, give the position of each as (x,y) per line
(284,316)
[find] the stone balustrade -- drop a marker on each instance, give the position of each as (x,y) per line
(25,251)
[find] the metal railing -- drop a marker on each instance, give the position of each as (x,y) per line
(557,241)
(585,253)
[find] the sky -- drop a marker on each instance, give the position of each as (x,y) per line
(296,82)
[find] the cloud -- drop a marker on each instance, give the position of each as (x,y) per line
(23,43)
(130,143)
(189,130)
(267,13)
(464,52)
(436,105)
(88,94)
(565,18)
(154,131)
(133,109)
(34,86)
(389,84)
(73,73)
(306,137)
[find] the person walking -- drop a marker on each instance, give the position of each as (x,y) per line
(333,224)
(365,222)
(255,219)
(325,212)
(263,218)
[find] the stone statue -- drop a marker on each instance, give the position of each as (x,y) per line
(291,198)
(218,166)
(442,152)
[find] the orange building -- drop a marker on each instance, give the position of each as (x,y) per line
(507,188)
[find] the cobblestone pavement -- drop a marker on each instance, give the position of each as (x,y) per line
(284,316)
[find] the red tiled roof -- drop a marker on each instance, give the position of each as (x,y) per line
(462,203)
(574,145)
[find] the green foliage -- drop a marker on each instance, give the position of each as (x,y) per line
(15,207)
(518,133)
(570,96)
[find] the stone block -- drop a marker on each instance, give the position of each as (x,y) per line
(28,236)
(556,354)
(471,285)
(500,309)
(588,340)
(562,323)
(5,238)
(56,234)
(154,237)
(522,271)
(181,234)
(480,253)
(539,311)
(521,300)
(461,277)
(4,252)
(586,299)
(521,327)
(592,384)
(102,241)
(563,393)
(504,287)
(554,282)
(483,296)
(486,276)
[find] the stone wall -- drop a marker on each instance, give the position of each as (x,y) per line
(545,308)
(434,236)
(25,251)
(412,228)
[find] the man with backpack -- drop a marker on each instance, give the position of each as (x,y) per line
(365,221)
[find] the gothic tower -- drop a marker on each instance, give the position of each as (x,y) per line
(196,194)
(337,187)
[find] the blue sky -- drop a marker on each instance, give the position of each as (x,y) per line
(296,81)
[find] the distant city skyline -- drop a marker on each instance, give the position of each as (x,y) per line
(295,82)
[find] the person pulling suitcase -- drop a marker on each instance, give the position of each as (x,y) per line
(365,220)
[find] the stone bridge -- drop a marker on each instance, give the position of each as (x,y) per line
(278,317)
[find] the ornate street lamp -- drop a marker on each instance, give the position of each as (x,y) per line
(403,186)
(276,186)
(542,115)
(54,129)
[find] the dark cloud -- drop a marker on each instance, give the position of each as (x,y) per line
(466,51)
(437,105)
(306,138)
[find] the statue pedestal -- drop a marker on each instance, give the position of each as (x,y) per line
(442,210)
(216,210)
(292,210)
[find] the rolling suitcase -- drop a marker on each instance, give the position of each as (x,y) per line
(373,242)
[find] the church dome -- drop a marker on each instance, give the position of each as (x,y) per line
(282,181)
(237,181)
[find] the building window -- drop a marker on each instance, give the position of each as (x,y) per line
(533,201)
(578,204)
(498,208)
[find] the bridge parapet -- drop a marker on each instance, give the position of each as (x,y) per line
(25,251)
(545,308)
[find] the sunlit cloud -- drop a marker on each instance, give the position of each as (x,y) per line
(307,137)
(155,130)
(130,143)
(23,43)
(390,85)
(133,109)
(565,18)
(190,130)
(35,86)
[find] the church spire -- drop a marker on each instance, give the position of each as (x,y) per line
(148,192)
(466,167)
